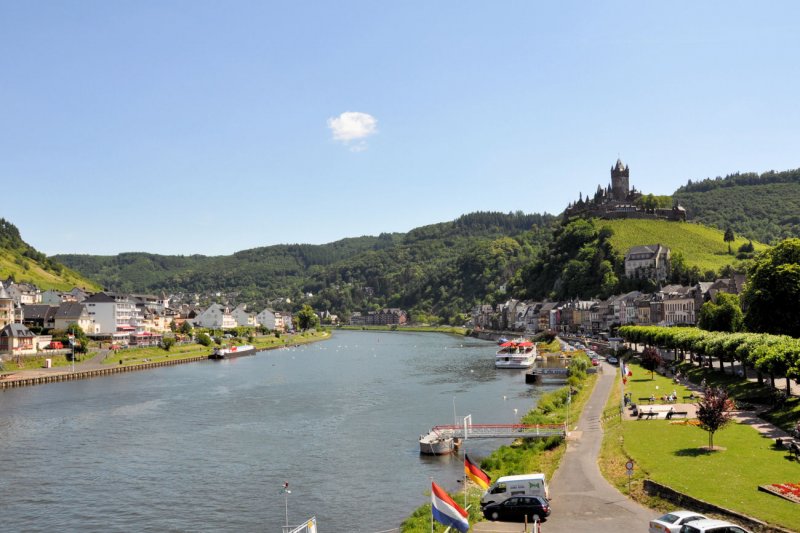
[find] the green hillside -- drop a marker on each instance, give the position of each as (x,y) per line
(763,207)
(700,245)
(440,270)
(20,261)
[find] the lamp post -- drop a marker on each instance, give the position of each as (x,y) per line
(569,401)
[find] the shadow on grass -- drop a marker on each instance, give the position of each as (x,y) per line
(694,452)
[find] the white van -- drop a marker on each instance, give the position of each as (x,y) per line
(522,485)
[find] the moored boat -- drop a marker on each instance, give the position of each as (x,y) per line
(435,444)
(232,351)
(517,353)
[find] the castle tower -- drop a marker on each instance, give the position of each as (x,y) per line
(619,181)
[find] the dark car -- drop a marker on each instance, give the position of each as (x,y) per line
(518,508)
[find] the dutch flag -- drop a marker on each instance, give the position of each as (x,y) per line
(446,511)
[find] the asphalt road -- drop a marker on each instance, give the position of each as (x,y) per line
(582,500)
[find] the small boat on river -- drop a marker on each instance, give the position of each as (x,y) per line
(232,351)
(517,353)
(435,444)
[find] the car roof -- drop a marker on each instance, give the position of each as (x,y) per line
(682,513)
(708,523)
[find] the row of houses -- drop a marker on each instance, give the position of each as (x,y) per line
(382,317)
(123,319)
(670,306)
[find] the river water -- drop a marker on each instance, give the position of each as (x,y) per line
(207,446)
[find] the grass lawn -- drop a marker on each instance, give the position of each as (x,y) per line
(670,453)
(642,385)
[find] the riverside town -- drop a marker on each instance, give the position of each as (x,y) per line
(360,267)
(684,369)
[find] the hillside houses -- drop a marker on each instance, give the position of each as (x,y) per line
(671,306)
(650,261)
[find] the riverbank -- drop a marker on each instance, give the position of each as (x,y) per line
(557,407)
(108,362)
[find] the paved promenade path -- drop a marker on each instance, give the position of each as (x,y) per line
(582,500)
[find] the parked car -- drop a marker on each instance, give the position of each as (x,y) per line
(711,526)
(518,508)
(672,522)
(611,359)
(56,345)
(595,361)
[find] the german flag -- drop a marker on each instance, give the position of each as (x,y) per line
(476,474)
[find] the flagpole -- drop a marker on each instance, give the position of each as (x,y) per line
(431,505)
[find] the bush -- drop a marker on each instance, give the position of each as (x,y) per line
(204,339)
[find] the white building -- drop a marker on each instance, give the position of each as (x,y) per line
(75,313)
(650,261)
(242,317)
(24,293)
(113,313)
(272,320)
(216,316)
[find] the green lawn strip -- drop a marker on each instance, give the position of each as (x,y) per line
(133,356)
(612,457)
(36,362)
(523,456)
(643,383)
(671,454)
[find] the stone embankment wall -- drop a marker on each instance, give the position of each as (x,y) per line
(84,374)
(699,506)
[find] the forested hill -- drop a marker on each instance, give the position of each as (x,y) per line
(24,264)
(441,268)
(762,207)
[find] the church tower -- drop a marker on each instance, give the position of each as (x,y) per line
(619,181)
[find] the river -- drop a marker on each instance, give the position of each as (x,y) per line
(207,446)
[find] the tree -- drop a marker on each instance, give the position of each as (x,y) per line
(713,412)
(651,360)
(307,318)
(729,238)
(723,315)
(186,328)
(167,343)
(204,339)
(773,290)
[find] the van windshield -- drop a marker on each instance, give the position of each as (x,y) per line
(499,488)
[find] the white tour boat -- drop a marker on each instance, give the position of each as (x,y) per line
(517,353)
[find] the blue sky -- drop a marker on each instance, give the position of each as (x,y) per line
(183,127)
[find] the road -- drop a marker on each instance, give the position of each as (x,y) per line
(582,500)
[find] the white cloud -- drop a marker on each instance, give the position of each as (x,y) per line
(353,126)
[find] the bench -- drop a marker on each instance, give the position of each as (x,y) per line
(648,399)
(648,414)
(671,414)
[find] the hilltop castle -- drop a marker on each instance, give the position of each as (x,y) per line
(619,200)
